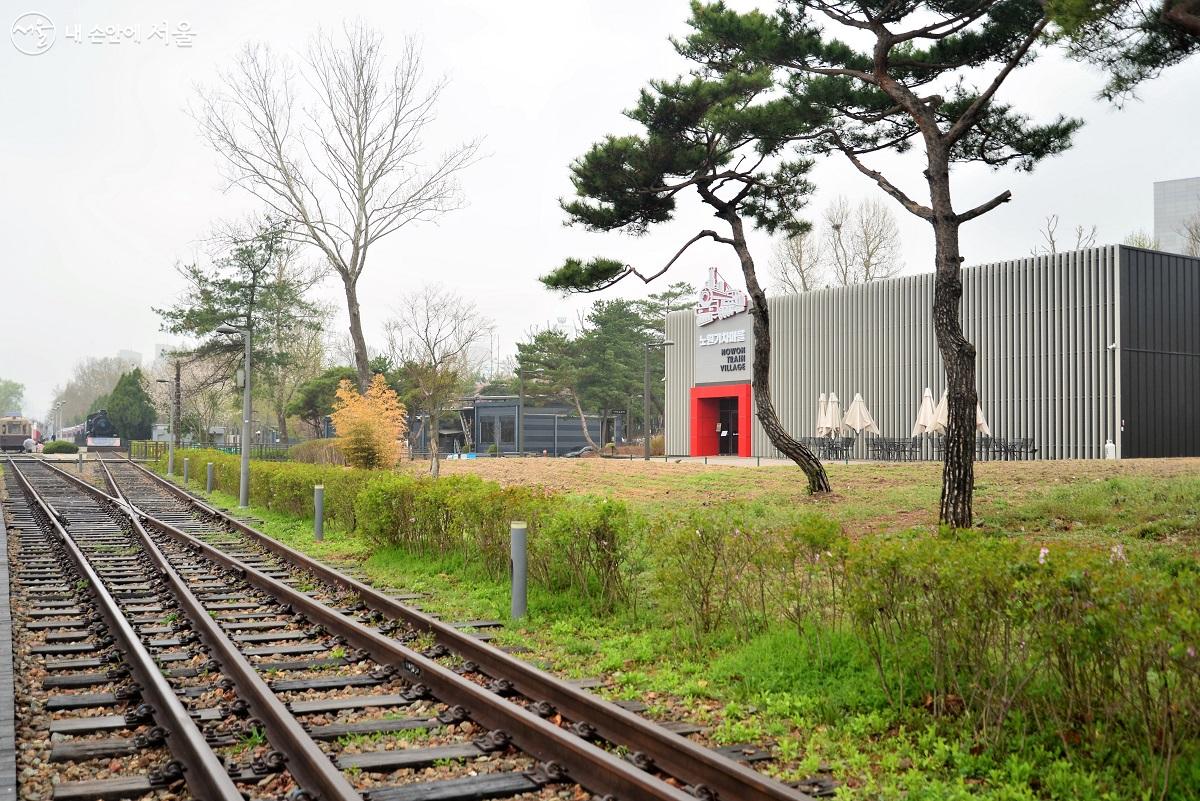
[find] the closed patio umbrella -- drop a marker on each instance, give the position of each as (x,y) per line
(924,414)
(859,417)
(822,429)
(941,417)
(981,423)
(833,415)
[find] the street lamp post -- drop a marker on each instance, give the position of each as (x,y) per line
(170,430)
(666,343)
(244,482)
(520,411)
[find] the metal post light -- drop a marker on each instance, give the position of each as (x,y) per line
(666,343)
(244,482)
(520,411)
(170,430)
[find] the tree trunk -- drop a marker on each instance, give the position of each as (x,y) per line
(283,432)
(435,463)
(958,356)
(788,445)
(362,362)
(583,422)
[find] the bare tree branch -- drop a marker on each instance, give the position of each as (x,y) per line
(351,169)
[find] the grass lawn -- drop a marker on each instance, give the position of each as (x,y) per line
(813,698)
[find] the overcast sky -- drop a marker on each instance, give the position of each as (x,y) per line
(105,183)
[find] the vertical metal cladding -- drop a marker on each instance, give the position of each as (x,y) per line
(1159,353)
(1041,327)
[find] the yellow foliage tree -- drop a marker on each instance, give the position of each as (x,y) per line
(370,425)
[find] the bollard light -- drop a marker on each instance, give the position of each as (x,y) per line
(318,512)
(518,540)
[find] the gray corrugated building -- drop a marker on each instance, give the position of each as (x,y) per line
(1073,349)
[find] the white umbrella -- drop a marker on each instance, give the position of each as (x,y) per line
(981,423)
(833,415)
(941,415)
(822,429)
(859,418)
(924,414)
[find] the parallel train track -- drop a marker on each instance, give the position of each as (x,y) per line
(298,681)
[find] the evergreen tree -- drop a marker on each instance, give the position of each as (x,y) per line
(889,76)
(727,136)
(314,399)
(129,407)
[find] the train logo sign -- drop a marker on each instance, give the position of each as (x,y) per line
(718,300)
(32,33)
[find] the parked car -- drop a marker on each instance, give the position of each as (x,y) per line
(575,454)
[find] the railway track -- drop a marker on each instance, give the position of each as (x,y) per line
(298,681)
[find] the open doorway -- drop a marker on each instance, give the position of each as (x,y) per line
(728,433)
(721,420)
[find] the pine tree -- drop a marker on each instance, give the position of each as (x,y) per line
(129,407)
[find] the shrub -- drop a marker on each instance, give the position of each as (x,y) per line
(317,451)
(1100,646)
(587,543)
(60,446)
(712,566)
(369,425)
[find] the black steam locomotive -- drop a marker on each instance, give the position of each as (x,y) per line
(97,426)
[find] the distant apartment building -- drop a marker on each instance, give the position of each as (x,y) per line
(130,358)
(1176,207)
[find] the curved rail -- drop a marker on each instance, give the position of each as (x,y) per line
(706,770)
(203,770)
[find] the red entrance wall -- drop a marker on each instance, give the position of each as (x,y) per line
(706,407)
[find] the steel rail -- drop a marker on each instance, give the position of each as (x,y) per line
(308,764)
(678,756)
(564,755)
(203,771)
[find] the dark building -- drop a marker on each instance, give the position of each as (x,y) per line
(492,424)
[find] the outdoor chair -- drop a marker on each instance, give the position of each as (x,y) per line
(839,447)
(939,447)
(878,448)
(984,446)
(910,449)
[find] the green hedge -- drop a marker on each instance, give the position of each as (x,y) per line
(286,486)
(60,446)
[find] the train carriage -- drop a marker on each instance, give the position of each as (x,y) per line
(13,433)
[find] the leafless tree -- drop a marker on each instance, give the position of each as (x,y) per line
(432,338)
(1142,239)
(349,166)
(1191,235)
(1084,237)
(862,242)
(798,264)
(92,378)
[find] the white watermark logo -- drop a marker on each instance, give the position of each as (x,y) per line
(32,33)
